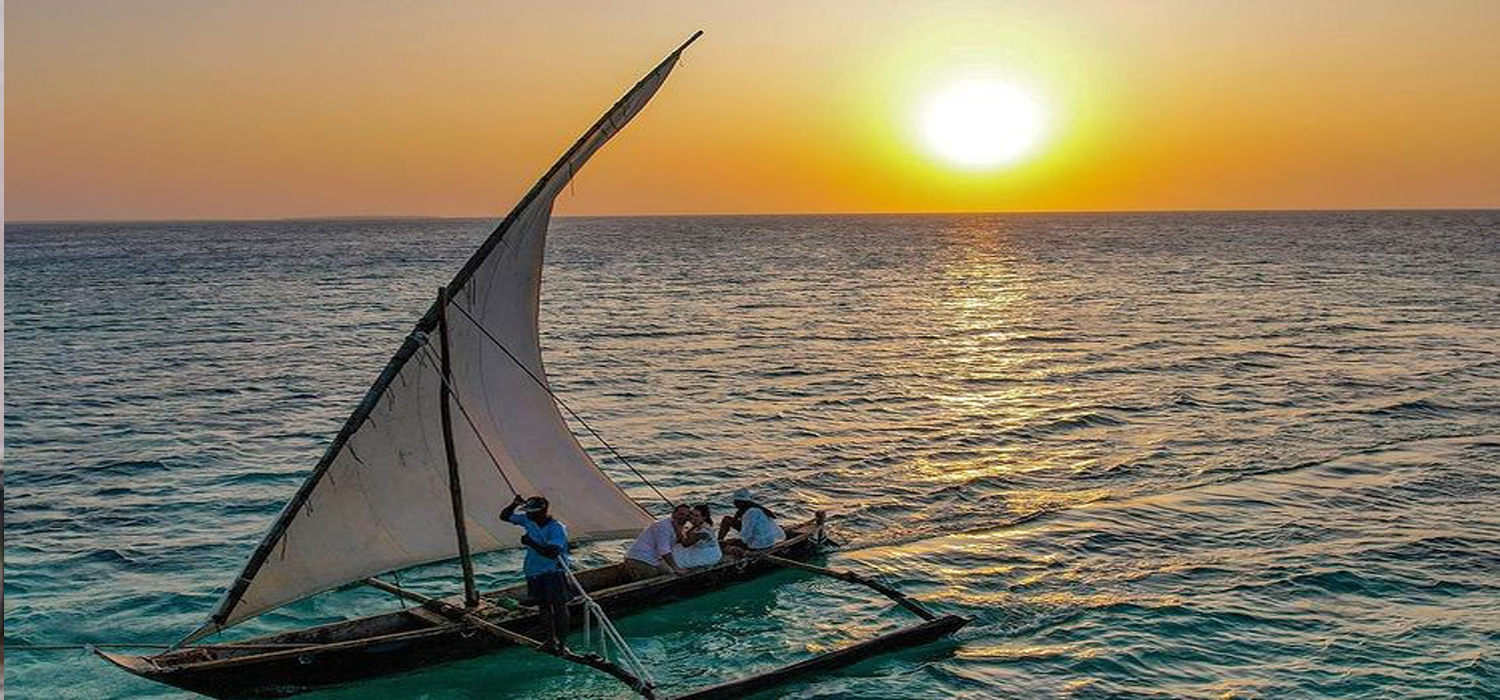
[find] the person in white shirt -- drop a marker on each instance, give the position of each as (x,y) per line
(696,546)
(651,553)
(756,523)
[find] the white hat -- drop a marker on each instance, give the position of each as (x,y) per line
(742,495)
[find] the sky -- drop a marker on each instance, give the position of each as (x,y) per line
(183,109)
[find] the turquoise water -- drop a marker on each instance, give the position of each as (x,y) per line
(1153,455)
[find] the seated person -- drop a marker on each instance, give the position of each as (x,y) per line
(756,523)
(651,553)
(696,546)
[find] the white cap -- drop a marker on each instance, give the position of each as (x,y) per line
(742,495)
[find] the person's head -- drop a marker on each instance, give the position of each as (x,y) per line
(680,513)
(536,508)
(743,499)
(700,515)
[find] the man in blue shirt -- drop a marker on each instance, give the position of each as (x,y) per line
(546,543)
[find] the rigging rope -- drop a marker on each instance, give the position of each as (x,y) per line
(453,392)
(559,401)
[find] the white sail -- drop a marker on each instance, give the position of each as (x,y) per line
(379,499)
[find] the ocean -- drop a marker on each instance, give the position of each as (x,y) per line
(1179,455)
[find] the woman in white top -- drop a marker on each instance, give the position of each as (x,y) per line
(696,546)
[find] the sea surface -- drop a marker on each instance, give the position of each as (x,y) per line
(1197,455)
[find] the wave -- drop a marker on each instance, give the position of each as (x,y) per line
(1415,407)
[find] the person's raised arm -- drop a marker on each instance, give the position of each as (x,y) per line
(511,509)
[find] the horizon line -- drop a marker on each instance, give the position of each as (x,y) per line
(1032,212)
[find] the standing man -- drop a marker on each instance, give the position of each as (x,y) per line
(651,554)
(546,543)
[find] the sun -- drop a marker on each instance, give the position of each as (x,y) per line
(982,123)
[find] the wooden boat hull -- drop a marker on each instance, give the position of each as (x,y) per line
(293,662)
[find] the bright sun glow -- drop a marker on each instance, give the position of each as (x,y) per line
(982,123)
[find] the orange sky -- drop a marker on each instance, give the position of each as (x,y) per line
(191,109)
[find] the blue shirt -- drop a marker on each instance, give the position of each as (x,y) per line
(553,533)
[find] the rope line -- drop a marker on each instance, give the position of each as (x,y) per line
(560,402)
(453,392)
(607,633)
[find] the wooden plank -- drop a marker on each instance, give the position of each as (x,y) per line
(408,594)
(429,616)
(199,666)
(910,636)
(454,612)
(850,576)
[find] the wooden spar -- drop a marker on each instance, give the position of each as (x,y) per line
(454,611)
(931,628)
(400,592)
(900,598)
(455,490)
(467,615)
(910,636)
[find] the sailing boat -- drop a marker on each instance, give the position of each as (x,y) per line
(460,420)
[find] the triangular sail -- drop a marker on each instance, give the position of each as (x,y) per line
(378,500)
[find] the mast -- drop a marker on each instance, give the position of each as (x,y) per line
(455,488)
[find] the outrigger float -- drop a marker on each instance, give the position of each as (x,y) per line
(399,487)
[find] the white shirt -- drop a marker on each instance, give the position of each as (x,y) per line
(654,542)
(759,530)
(704,552)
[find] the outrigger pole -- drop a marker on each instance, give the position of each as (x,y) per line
(455,490)
(932,627)
(467,616)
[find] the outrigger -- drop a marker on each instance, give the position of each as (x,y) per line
(400,487)
(437,631)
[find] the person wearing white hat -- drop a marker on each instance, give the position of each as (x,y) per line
(756,523)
